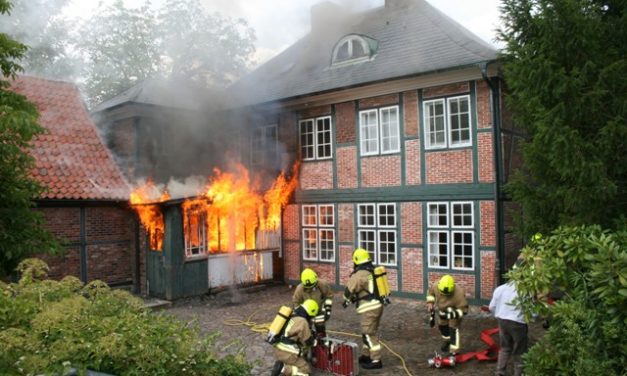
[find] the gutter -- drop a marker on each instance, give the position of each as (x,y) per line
(496,127)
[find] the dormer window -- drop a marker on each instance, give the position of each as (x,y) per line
(354,49)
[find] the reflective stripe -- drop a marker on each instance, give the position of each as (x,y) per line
(318,319)
(430,299)
(460,313)
(296,372)
(369,306)
(455,340)
(367,340)
(292,349)
(376,348)
(328,302)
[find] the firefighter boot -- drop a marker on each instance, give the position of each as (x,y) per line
(364,359)
(278,367)
(372,364)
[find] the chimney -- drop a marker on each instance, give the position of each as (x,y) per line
(326,15)
(398,4)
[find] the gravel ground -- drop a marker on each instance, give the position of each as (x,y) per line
(404,329)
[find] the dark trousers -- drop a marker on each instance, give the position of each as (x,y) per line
(513,341)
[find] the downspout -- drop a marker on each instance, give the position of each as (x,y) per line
(496,127)
(138,285)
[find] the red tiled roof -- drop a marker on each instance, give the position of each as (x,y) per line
(71,160)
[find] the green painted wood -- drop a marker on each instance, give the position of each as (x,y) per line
(155,273)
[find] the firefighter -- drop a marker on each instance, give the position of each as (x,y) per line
(313,288)
(451,305)
(360,289)
(296,339)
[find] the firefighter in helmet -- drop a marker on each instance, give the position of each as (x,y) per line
(313,288)
(450,304)
(360,289)
(292,347)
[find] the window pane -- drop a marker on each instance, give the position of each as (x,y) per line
(387,215)
(307,147)
(310,244)
(366,215)
(462,214)
(459,120)
(438,248)
(324,137)
(368,133)
(438,215)
(358,50)
(327,245)
(195,230)
(387,247)
(343,52)
(463,250)
(326,215)
(309,215)
(434,123)
(367,241)
(389,130)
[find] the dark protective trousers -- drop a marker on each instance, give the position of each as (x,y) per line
(513,340)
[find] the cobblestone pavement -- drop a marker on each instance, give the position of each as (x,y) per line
(404,328)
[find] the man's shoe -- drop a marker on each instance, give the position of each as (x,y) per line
(364,359)
(373,364)
(278,367)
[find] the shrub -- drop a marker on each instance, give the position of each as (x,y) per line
(588,267)
(48,327)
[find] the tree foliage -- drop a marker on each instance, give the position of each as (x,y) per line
(21,231)
(48,327)
(588,266)
(564,64)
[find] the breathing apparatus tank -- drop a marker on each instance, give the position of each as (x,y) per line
(383,287)
(278,324)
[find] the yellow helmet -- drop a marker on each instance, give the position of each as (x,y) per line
(309,278)
(446,285)
(361,256)
(311,307)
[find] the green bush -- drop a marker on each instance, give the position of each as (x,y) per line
(48,327)
(588,266)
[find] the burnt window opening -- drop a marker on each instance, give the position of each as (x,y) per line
(354,49)
(195,228)
(264,146)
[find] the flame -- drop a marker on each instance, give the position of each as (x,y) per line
(144,199)
(232,209)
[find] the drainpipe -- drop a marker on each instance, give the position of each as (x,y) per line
(496,127)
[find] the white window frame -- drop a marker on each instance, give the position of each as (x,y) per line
(319,233)
(382,131)
(202,248)
(450,229)
(260,145)
(447,116)
(317,132)
(376,230)
(348,41)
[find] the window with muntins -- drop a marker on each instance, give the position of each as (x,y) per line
(447,122)
(195,229)
(451,235)
(352,49)
(315,138)
(318,224)
(264,148)
(379,131)
(376,232)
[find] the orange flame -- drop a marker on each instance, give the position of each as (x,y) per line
(144,201)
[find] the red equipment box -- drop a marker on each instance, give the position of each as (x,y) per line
(337,356)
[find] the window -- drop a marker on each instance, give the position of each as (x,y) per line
(264,148)
(447,122)
(379,131)
(195,229)
(353,49)
(315,138)
(450,235)
(318,223)
(377,232)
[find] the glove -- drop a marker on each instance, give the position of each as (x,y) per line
(432,319)
(327,313)
(346,303)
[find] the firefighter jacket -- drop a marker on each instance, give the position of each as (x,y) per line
(296,336)
(456,300)
(321,293)
(361,288)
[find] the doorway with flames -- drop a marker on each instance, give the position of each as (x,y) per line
(228,235)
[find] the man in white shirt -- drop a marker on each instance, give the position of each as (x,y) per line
(512,328)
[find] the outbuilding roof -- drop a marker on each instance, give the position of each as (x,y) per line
(71,160)
(409,37)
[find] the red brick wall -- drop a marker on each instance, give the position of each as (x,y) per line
(346,223)
(484,107)
(346,167)
(444,167)
(316,175)
(383,100)
(412,270)
(412,162)
(411,223)
(292,260)
(488,274)
(410,113)
(488,226)
(315,112)
(392,275)
(436,91)
(384,171)
(345,122)
(485,157)
(110,262)
(325,271)
(67,264)
(346,263)
(291,222)
(64,223)
(467,281)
